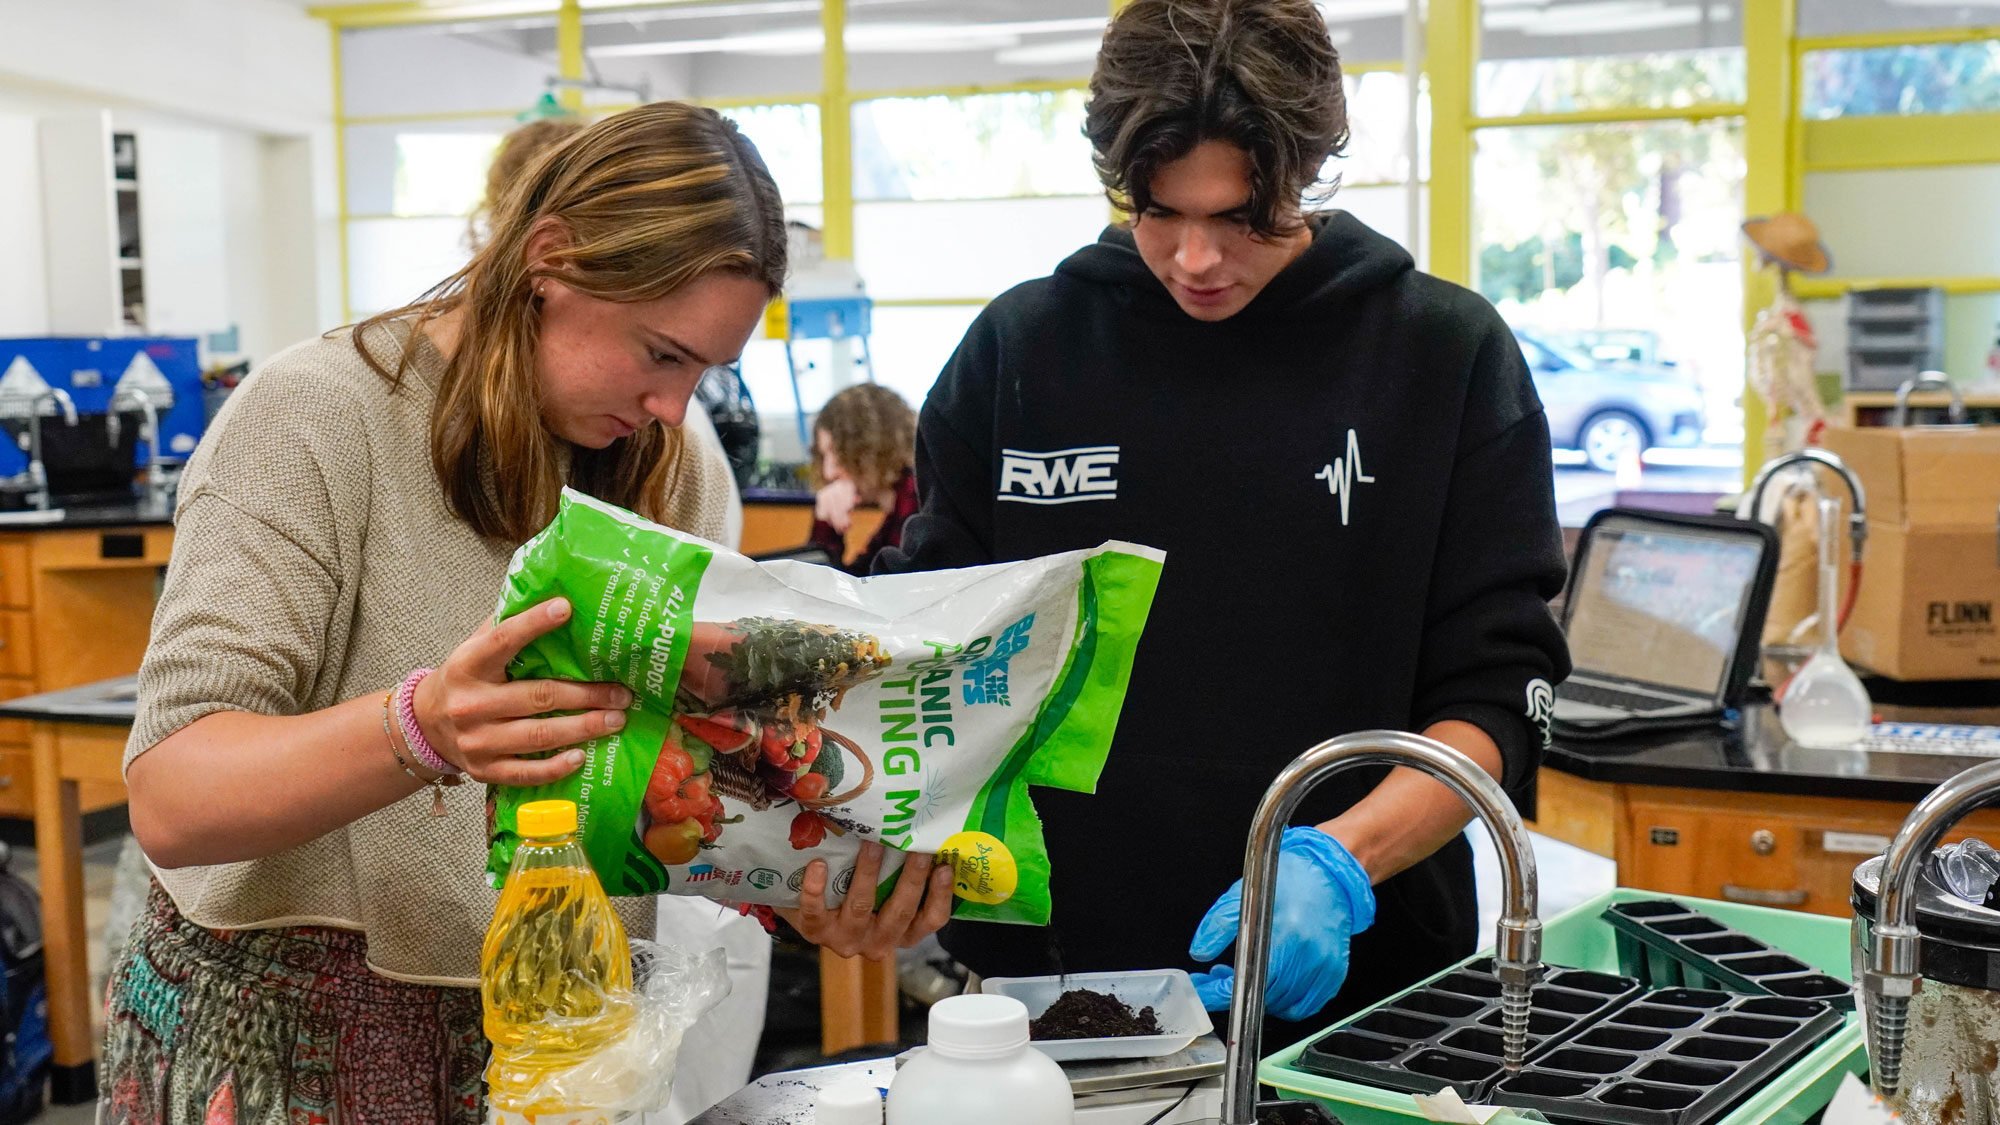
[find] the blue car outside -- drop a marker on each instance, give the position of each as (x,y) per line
(1609,412)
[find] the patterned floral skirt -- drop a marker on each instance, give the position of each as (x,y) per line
(280,1027)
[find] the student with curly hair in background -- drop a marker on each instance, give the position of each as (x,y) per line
(864,449)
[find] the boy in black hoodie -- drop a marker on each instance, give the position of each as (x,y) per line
(1348,468)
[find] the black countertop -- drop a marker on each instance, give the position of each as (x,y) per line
(111,703)
(757,495)
(75,517)
(1757,757)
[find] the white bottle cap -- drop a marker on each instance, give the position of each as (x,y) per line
(978,1027)
(849,1103)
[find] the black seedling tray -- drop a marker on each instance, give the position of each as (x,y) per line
(1447,1033)
(1666,945)
(1292,1111)
(1675,1057)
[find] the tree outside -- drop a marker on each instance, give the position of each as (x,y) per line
(1927,78)
(1625,231)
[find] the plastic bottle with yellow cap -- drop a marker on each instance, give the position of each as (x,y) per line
(555,972)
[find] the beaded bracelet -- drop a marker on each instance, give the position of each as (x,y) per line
(413,732)
(437,785)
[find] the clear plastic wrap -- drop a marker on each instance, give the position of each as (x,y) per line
(1971,870)
(634,1074)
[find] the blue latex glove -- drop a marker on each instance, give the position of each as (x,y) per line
(1324,899)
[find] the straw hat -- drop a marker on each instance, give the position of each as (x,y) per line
(1789,239)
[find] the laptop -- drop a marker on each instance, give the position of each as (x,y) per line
(1663,615)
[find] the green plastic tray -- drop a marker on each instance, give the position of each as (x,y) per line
(1579,938)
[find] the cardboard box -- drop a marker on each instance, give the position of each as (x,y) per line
(1931,573)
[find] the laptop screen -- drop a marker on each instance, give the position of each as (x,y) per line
(1662,606)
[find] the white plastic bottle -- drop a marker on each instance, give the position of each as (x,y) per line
(851,1103)
(979,1070)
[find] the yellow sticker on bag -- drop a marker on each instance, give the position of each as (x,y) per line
(983,869)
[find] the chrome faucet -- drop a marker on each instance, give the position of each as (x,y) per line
(156,482)
(38,470)
(1517,954)
(1891,976)
(1857,520)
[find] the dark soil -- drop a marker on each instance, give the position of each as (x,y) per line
(1083,1014)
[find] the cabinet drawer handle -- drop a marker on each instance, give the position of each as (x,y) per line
(1751,896)
(6,781)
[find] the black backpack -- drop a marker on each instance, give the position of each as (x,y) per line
(25,1051)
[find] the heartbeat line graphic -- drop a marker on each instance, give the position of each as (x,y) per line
(1343,474)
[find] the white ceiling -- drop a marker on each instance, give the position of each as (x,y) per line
(1050,32)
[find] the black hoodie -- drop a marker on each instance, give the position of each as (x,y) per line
(1351,481)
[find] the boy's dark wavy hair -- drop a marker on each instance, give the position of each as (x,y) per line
(1260,74)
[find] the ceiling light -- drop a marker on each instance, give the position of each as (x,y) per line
(1047,54)
(624,13)
(862,38)
(1343,10)
(1601,18)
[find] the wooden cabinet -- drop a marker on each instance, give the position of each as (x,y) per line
(16,590)
(779,527)
(1796,853)
(17,643)
(1877,408)
(14,731)
(76,606)
(1753,859)
(17,789)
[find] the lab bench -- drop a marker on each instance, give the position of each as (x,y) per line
(1746,815)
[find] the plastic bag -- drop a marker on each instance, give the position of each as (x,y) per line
(787,712)
(671,989)
(1971,870)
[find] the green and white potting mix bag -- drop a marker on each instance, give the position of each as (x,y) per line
(786,712)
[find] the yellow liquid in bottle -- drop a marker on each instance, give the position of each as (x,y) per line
(553,954)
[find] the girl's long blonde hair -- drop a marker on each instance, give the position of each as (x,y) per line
(648,200)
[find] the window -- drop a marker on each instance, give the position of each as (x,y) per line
(1613,250)
(968,248)
(1378,115)
(394,261)
(1927,78)
(442,173)
(913,344)
(986,146)
(411,182)
(1566,55)
(787,137)
(1538,360)
(961,198)
(410,190)
(925,43)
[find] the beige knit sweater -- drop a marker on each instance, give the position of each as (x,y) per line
(315,560)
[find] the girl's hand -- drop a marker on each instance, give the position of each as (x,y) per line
(835,504)
(478,721)
(918,907)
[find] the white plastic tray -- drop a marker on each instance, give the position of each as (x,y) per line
(1168,992)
